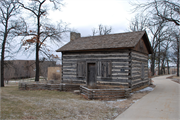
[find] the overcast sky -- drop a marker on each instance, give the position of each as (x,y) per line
(84,15)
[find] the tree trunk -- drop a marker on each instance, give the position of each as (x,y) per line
(159,72)
(37,62)
(178,57)
(162,65)
(152,64)
(2,53)
(2,64)
(37,49)
(168,66)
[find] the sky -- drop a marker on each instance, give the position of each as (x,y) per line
(84,15)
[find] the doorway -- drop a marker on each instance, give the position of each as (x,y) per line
(91,74)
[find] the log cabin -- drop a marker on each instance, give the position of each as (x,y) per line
(113,59)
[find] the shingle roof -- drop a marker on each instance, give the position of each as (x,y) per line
(121,40)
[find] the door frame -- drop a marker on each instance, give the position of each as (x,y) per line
(87,76)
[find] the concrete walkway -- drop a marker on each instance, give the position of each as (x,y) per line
(163,103)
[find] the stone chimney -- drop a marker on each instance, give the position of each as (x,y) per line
(74,35)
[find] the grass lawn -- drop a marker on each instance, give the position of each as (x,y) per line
(48,105)
(45,104)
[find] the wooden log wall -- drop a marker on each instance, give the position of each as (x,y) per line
(43,86)
(69,87)
(104,93)
(38,86)
(119,61)
(139,71)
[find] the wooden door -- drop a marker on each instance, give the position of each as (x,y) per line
(91,79)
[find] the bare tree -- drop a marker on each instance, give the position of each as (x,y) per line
(176,47)
(168,10)
(10,27)
(44,31)
(164,56)
(157,33)
(138,23)
(164,12)
(172,10)
(101,30)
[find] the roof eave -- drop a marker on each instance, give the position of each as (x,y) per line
(101,49)
(148,44)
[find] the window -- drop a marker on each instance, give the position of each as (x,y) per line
(106,68)
(81,69)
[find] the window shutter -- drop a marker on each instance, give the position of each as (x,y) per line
(102,69)
(78,69)
(84,68)
(99,68)
(79,73)
(81,69)
(109,69)
(106,69)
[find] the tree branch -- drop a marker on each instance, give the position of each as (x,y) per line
(22,5)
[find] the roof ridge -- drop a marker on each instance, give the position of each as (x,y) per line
(111,34)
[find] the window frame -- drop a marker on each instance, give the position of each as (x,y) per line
(107,70)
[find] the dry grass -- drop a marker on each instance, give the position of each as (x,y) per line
(44,104)
(175,78)
(30,80)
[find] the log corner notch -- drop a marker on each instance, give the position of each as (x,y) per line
(130,70)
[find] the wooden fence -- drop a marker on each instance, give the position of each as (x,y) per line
(104,93)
